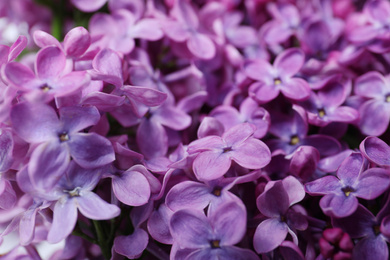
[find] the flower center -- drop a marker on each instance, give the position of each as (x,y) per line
(45,88)
(321,112)
(377,229)
(387,98)
(277,81)
(227,149)
(63,137)
(348,190)
(294,140)
(217,191)
(75,192)
(148,115)
(215,244)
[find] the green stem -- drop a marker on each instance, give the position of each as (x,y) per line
(58,20)
(79,233)
(102,240)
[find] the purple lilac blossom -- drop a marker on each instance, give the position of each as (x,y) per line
(353,181)
(179,105)
(59,139)
(372,232)
(237,144)
(275,203)
(374,113)
(211,237)
(279,77)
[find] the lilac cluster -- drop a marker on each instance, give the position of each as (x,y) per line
(177,129)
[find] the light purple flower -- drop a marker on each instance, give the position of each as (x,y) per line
(210,237)
(216,153)
(325,106)
(59,139)
(376,150)
(279,77)
(51,79)
(74,193)
(186,27)
(119,30)
(353,181)
(249,112)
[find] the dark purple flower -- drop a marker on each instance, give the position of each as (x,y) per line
(372,232)
(335,244)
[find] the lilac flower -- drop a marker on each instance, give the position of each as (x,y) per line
(133,186)
(88,5)
(237,144)
(291,131)
(249,112)
(8,54)
(353,180)
(133,245)
(7,193)
(119,30)
(326,106)
(211,237)
(195,195)
(76,41)
(372,232)
(58,139)
(285,24)
(52,78)
(375,30)
(279,77)
(275,204)
(74,192)
(107,66)
(186,27)
(374,113)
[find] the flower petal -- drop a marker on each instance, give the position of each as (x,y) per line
(50,63)
(375,150)
(263,242)
(77,41)
(211,165)
(133,245)
(64,220)
(93,207)
(132,188)
(190,229)
(188,194)
(48,164)
(289,62)
(90,150)
(251,154)
(201,46)
(229,223)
